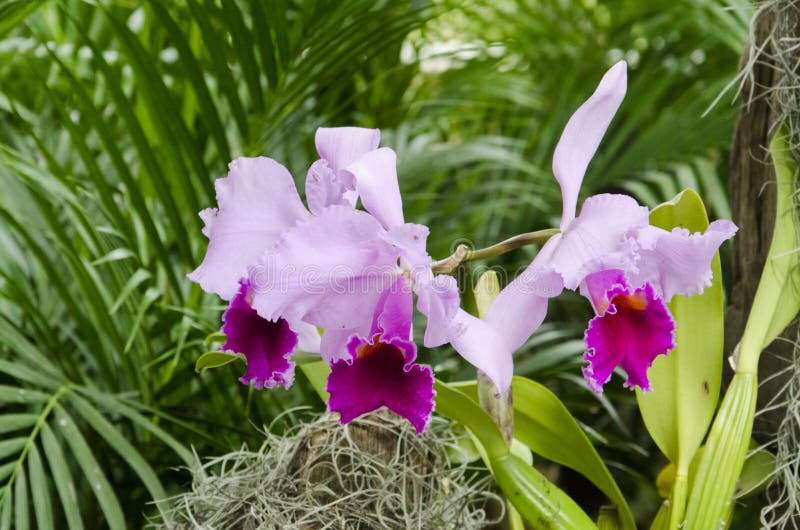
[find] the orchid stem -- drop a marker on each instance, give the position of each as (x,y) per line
(463,253)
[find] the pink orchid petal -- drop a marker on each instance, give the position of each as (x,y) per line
(267,345)
(324,188)
(582,136)
(596,286)
(598,238)
(333,346)
(375,175)
(678,262)
(410,240)
(308,337)
(521,306)
(392,317)
(635,329)
(257,202)
(329,271)
(483,346)
(341,146)
(438,299)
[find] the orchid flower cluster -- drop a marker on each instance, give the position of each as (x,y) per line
(338,281)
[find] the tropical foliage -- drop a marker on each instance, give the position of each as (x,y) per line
(116,117)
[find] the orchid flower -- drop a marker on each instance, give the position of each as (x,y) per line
(339,272)
(288,271)
(379,369)
(257,203)
(628,269)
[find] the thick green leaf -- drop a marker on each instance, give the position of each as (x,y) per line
(215,359)
(539,501)
(759,468)
(710,501)
(679,409)
(776,303)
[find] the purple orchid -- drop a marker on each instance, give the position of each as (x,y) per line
(379,369)
(257,203)
(289,271)
(628,269)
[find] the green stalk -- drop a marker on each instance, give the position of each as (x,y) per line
(608,519)
(463,254)
(678,498)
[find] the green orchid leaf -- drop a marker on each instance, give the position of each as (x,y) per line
(215,359)
(686,383)
(758,468)
(538,501)
(661,520)
(543,423)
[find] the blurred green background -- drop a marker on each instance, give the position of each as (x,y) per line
(116,117)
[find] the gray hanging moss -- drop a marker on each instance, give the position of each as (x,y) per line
(373,473)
